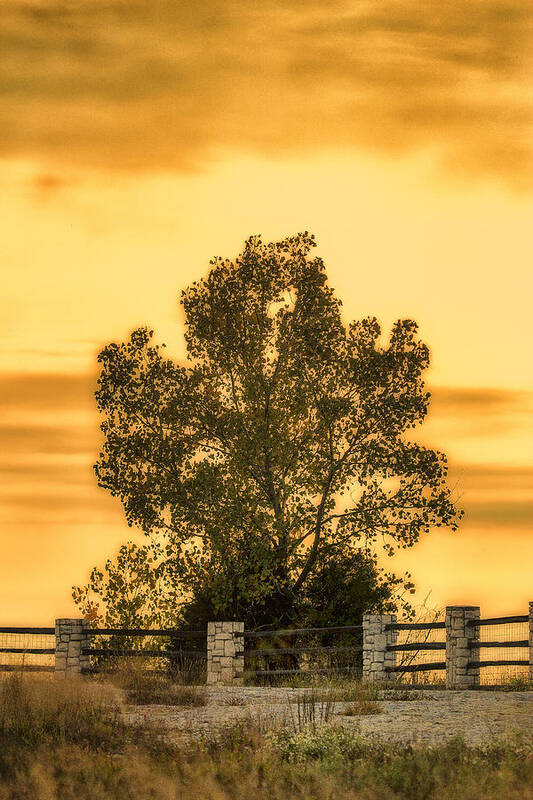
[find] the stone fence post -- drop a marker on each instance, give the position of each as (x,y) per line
(376,638)
(531,641)
(72,636)
(459,635)
(225,653)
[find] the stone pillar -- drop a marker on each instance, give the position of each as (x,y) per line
(376,638)
(531,642)
(72,636)
(459,654)
(225,653)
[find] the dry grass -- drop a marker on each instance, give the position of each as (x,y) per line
(37,711)
(143,687)
(361,707)
(65,741)
(235,700)
(318,705)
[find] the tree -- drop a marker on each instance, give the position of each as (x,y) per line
(130,591)
(349,583)
(284,439)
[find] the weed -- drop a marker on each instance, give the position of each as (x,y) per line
(235,700)
(361,708)
(517,683)
(325,743)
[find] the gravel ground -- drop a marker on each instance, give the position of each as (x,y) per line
(432,717)
(435,717)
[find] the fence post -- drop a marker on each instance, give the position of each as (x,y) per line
(461,671)
(377,660)
(531,641)
(225,653)
(72,637)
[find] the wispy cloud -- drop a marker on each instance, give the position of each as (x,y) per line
(479,412)
(45,391)
(501,514)
(144,85)
(459,399)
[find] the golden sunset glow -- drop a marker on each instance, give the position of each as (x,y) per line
(140,139)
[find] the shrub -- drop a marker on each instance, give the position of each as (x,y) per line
(327,742)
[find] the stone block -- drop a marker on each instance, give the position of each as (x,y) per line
(224,652)
(376,639)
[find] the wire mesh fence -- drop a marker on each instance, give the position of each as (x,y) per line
(427,646)
(493,674)
(180,654)
(29,648)
(302,653)
(418,648)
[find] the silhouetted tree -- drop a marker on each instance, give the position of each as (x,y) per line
(280,442)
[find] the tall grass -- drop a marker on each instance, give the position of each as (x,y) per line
(36,712)
(319,704)
(146,687)
(65,741)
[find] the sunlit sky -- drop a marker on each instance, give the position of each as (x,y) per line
(139,139)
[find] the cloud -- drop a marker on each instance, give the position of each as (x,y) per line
(515,514)
(48,183)
(495,495)
(474,399)
(49,439)
(494,477)
(135,84)
(46,439)
(46,391)
(35,471)
(479,411)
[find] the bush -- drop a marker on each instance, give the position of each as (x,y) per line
(327,742)
(362,707)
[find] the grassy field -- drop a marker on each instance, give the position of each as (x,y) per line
(66,741)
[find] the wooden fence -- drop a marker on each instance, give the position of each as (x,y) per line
(380,649)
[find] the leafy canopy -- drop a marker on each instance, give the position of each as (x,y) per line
(282,442)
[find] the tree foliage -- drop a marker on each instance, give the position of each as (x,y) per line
(131,590)
(283,440)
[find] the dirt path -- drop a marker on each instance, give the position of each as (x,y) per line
(432,717)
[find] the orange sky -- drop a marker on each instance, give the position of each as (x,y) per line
(139,139)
